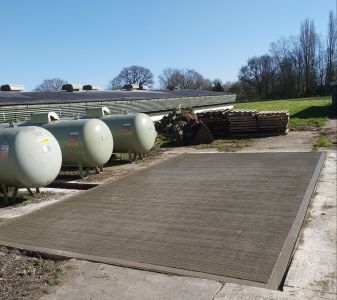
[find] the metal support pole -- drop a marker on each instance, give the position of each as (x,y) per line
(15,193)
(4,192)
(80,167)
(30,192)
(130,156)
(87,171)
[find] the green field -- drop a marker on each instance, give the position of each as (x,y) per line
(305,113)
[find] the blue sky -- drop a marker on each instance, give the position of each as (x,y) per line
(91,41)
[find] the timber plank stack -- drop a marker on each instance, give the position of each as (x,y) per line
(242,122)
(273,122)
(223,123)
(216,121)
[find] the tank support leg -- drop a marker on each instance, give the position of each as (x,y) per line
(87,170)
(99,170)
(30,192)
(130,156)
(37,190)
(15,193)
(4,192)
(80,167)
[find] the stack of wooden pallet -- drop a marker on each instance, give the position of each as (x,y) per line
(222,123)
(216,121)
(242,122)
(273,122)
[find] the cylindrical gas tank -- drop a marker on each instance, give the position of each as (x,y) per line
(29,156)
(84,142)
(131,132)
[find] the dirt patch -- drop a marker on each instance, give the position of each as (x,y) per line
(24,198)
(327,136)
(328,206)
(226,145)
(325,284)
(28,276)
(116,168)
(294,141)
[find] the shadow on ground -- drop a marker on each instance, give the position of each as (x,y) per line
(314,112)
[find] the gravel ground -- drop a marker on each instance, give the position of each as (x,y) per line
(25,276)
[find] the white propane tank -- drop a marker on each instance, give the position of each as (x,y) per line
(84,142)
(132,132)
(29,156)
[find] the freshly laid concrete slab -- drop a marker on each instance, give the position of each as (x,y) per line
(227,217)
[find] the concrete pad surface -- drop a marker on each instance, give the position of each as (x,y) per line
(313,272)
(90,280)
(226,217)
(318,234)
(313,267)
(239,292)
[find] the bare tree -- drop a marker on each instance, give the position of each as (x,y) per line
(217,85)
(183,78)
(171,78)
(298,66)
(285,62)
(308,42)
(193,79)
(50,85)
(132,75)
(297,58)
(115,84)
(321,65)
(331,49)
(258,77)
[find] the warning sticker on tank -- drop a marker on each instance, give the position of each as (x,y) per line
(126,128)
(4,150)
(73,139)
(44,140)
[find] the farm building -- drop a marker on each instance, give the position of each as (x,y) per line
(18,105)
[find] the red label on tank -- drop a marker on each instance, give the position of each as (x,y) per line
(73,139)
(4,149)
(126,128)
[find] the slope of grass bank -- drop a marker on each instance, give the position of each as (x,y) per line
(304,113)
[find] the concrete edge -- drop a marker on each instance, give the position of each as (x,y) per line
(286,253)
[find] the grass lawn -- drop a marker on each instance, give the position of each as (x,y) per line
(304,113)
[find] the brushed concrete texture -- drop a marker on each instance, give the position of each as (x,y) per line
(221,216)
(317,233)
(105,282)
